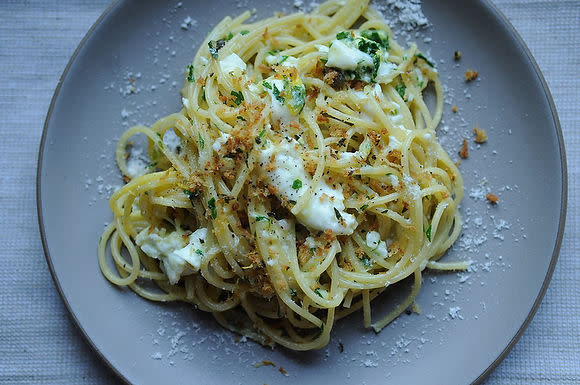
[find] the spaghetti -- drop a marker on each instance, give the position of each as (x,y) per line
(308,179)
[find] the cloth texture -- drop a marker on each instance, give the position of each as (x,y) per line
(39,344)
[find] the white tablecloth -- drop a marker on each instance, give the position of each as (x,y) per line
(38,342)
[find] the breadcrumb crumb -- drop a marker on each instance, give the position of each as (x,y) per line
(471,75)
(457,55)
(264,363)
(492,198)
(480,135)
(454,109)
(464,152)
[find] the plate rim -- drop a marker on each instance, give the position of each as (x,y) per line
(42,145)
(563,194)
(555,252)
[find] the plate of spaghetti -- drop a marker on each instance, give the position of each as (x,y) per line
(283,189)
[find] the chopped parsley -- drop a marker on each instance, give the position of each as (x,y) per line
(201,142)
(266,85)
(428,233)
(190,74)
(366,261)
(401,88)
(317,291)
(211,206)
(293,292)
(260,136)
(244,32)
(337,214)
(364,207)
(421,56)
(152,165)
(261,218)
(239,97)
(230,36)
(213,51)
(297,184)
(241,118)
(199,252)
(343,35)
(276,93)
(298,98)
(379,37)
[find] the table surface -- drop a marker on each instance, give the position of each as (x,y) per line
(39,344)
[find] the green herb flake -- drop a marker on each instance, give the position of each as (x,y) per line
(337,214)
(343,35)
(201,142)
(211,206)
(429,63)
(152,165)
(260,136)
(213,51)
(401,88)
(266,85)
(428,233)
(293,292)
(230,36)
(317,291)
(239,97)
(297,184)
(298,98)
(377,36)
(261,218)
(276,93)
(363,207)
(368,46)
(241,118)
(190,74)
(244,32)
(199,252)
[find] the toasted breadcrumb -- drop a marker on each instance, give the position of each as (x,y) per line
(264,363)
(470,75)
(282,370)
(457,55)
(464,152)
(394,156)
(492,198)
(454,109)
(480,135)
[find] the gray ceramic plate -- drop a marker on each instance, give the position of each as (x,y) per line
(468,322)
